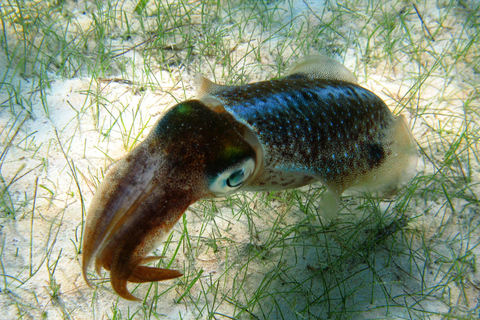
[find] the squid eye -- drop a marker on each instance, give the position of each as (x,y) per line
(232,178)
(236,178)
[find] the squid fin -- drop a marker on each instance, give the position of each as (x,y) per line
(321,67)
(400,165)
(205,87)
(329,204)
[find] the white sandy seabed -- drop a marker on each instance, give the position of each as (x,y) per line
(86,129)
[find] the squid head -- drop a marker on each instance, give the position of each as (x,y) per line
(192,152)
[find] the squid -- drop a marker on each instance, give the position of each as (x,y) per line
(314,125)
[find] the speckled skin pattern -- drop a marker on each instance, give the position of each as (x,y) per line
(332,130)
